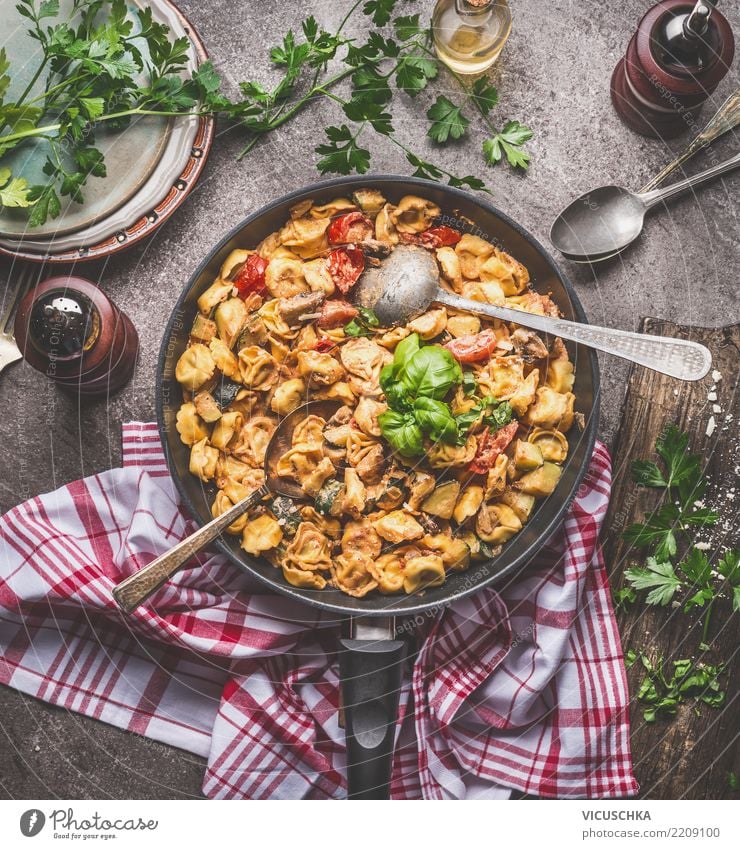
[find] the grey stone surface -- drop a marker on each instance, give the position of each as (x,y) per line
(554,76)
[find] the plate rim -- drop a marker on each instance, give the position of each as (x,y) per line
(145,225)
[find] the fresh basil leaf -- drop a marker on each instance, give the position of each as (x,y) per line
(435,419)
(397,398)
(406,349)
(465,421)
(354,328)
(469,383)
(431,372)
(368,317)
(500,416)
(402,433)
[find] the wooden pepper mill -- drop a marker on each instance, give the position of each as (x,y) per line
(675,60)
(72,332)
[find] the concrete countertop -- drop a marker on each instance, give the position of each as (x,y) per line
(554,76)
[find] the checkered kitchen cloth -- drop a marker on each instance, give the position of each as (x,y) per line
(521,689)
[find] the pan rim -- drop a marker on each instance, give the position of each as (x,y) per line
(519,562)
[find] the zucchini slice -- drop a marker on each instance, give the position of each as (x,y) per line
(203,329)
(225,392)
(442,501)
(286,513)
(327,495)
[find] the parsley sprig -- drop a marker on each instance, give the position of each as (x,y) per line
(93,65)
(396,59)
(104,64)
(692,582)
(684,484)
(662,691)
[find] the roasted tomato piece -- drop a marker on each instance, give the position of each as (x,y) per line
(251,277)
(350,227)
(491,446)
(324,344)
(474,347)
(440,237)
(335,313)
(345,267)
(434,237)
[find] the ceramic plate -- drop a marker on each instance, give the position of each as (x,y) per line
(151,168)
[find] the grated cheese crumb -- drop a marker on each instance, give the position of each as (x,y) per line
(711,425)
(716,408)
(712,396)
(702,546)
(716,375)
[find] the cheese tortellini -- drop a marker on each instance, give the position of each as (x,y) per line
(277,329)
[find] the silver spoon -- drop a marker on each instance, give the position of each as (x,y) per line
(407,283)
(137,588)
(726,118)
(606,220)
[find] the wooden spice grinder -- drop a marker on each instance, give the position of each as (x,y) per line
(69,330)
(675,60)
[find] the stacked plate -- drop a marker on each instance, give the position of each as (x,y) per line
(152,165)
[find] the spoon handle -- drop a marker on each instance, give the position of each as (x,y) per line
(675,357)
(137,588)
(724,119)
(682,186)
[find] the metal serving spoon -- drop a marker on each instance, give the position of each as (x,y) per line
(137,588)
(726,118)
(406,283)
(603,221)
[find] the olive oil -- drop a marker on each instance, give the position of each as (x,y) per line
(470,34)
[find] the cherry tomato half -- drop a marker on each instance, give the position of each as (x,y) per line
(491,446)
(251,276)
(350,227)
(474,347)
(324,344)
(345,267)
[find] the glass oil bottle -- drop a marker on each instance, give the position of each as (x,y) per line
(470,34)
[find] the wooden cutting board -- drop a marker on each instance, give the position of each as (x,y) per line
(691,755)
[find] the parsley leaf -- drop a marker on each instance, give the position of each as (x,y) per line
(663,693)
(447,121)
(342,155)
(407,26)
(14,192)
(660,578)
(672,446)
(414,72)
(379,10)
(508,142)
(484,95)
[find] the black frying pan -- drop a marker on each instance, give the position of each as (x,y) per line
(370,668)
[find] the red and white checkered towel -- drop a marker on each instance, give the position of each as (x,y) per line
(521,689)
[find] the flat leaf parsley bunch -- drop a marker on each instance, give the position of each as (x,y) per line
(104,65)
(689,582)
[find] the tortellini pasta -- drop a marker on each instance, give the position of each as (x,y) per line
(370,520)
(258,368)
(195,367)
(190,425)
(261,534)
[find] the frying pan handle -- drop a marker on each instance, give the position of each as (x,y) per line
(370,671)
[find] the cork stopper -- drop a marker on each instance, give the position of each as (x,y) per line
(479,4)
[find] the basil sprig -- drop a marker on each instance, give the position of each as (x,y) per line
(495,414)
(414,384)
